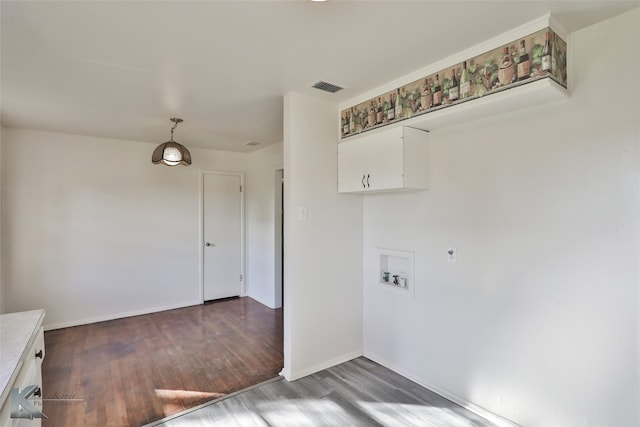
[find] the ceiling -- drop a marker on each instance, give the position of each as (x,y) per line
(121,69)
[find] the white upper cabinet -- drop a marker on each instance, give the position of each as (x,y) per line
(387,160)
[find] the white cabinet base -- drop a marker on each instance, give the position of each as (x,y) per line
(22,344)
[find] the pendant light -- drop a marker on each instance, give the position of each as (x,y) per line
(171,153)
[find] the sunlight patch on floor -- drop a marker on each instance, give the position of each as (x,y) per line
(174,401)
(403,415)
(304,413)
(321,412)
(248,419)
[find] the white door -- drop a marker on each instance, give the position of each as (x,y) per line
(222,236)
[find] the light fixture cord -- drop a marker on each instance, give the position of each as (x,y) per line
(172,128)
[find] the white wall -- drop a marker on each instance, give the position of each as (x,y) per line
(1,286)
(538,320)
(92,230)
(261,227)
(323,253)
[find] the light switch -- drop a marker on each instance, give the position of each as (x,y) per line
(302,213)
(452,254)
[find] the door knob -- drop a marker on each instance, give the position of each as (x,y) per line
(209,244)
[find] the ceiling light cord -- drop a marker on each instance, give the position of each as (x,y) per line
(175,121)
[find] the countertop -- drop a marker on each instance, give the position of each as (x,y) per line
(18,331)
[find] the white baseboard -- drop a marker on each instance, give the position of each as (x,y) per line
(114,316)
(495,418)
(292,376)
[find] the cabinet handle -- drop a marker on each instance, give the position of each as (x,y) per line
(39,354)
(367,180)
(38,392)
(363,184)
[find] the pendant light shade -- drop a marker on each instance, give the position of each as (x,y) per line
(171,153)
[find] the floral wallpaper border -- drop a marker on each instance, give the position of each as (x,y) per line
(542,54)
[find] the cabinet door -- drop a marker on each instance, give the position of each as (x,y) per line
(385,160)
(351,167)
(371,163)
(390,159)
(416,159)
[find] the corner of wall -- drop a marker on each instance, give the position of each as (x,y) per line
(1,273)
(323,249)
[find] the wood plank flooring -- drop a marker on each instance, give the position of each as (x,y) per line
(356,393)
(132,371)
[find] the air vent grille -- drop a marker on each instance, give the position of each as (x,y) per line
(327,87)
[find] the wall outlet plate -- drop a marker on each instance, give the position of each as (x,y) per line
(303,213)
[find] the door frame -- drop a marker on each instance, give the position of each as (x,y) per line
(278,216)
(243,287)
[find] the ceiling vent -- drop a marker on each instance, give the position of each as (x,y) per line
(327,87)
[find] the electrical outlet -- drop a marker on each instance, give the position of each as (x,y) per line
(452,254)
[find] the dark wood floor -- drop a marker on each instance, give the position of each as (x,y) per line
(358,393)
(132,371)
